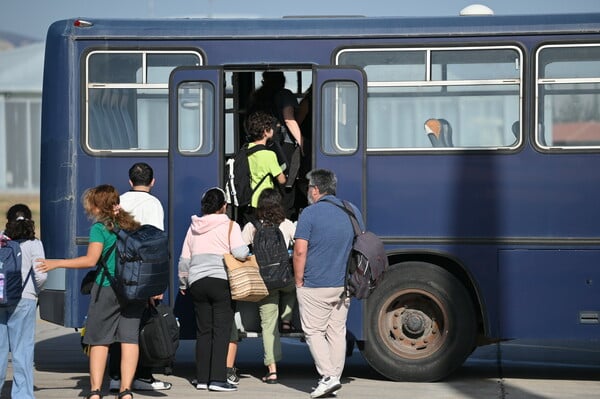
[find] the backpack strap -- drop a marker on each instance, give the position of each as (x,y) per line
(30,270)
(229,234)
(253,150)
(105,272)
(348,209)
(357,230)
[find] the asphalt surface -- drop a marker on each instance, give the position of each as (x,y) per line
(526,370)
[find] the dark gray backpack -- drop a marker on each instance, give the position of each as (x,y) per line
(367,260)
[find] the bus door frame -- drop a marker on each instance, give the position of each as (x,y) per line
(350,167)
(191,174)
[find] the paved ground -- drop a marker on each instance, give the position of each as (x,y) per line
(61,372)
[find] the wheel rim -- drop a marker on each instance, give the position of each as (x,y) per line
(413,323)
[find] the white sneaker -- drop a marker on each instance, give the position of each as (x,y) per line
(150,384)
(199,385)
(114,385)
(326,386)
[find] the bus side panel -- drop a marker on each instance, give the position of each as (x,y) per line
(549,293)
(520,201)
(57,196)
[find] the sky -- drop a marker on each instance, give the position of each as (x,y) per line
(31,18)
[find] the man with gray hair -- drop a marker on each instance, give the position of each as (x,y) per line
(323,241)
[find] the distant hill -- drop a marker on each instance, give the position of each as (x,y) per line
(11,40)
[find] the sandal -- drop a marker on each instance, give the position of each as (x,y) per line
(125,393)
(267,380)
(94,393)
(287,327)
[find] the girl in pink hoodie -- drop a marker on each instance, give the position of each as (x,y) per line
(202,274)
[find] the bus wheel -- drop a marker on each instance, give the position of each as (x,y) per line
(420,323)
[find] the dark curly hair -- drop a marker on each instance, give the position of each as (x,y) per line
(257,123)
(270,210)
(19,225)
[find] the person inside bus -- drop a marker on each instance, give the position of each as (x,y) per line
(202,274)
(271,212)
(17,321)
(108,320)
(304,119)
(273,98)
(259,128)
(146,209)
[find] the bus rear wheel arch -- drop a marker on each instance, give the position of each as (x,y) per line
(420,323)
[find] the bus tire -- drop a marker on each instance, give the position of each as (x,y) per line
(421,323)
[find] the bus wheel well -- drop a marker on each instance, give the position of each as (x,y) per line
(457,270)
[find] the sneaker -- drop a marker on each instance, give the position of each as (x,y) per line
(232,376)
(114,385)
(221,387)
(199,385)
(150,384)
(326,386)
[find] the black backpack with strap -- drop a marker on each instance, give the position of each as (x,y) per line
(272,256)
(239,182)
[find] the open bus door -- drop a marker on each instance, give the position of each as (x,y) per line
(339,125)
(195,160)
(339,142)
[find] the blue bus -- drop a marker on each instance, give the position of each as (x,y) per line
(471,145)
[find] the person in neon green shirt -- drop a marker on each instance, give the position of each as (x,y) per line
(259,127)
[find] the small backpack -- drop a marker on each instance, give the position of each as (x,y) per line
(238,185)
(272,255)
(159,337)
(11,278)
(367,261)
(142,263)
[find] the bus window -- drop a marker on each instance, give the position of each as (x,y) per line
(195,108)
(477,91)
(339,123)
(127,99)
(568,109)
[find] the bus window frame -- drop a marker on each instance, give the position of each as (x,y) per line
(539,82)
(87,86)
(428,81)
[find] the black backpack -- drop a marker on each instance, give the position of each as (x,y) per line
(367,260)
(159,337)
(238,185)
(271,251)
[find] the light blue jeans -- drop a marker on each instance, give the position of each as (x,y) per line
(17,333)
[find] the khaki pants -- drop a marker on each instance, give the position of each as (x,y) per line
(323,314)
(268,307)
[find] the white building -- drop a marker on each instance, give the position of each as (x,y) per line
(21,71)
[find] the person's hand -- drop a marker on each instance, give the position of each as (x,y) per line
(182,292)
(152,300)
(45,265)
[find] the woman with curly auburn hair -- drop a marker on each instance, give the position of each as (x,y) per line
(108,320)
